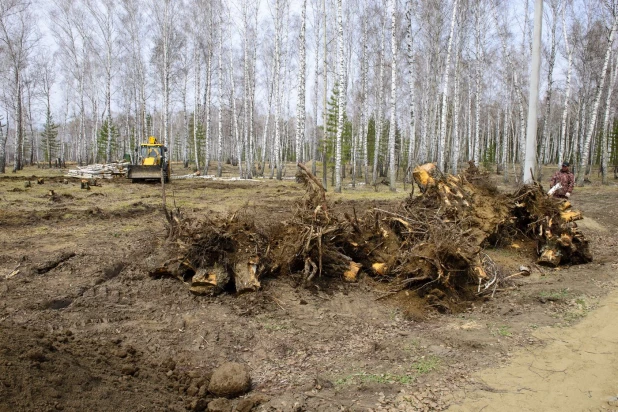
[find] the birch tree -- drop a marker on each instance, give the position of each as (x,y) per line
(392,162)
(441,142)
(300,104)
(342,97)
(18,40)
(567,92)
(554,6)
(585,151)
(411,82)
(605,142)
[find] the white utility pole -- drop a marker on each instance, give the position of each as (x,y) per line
(533,97)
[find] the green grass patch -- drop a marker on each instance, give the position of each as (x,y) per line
(554,295)
(426,364)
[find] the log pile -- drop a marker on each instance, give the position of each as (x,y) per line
(99,171)
(432,243)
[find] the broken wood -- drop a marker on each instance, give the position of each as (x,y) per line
(246,275)
(209,281)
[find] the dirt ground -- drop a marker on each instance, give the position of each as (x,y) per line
(83,326)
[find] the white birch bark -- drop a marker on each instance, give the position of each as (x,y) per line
(567,92)
(411,81)
(585,154)
(246,87)
(316,80)
(442,138)
(207,104)
(196,108)
(456,139)
(477,80)
(605,147)
(342,97)
(220,125)
(554,5)
(392,162)
(277,80)
(234,120)
(530,160)
(380,102)
(363,114)
(300,104)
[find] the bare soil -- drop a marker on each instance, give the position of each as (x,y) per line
(83,326)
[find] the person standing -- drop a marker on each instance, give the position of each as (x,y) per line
(566,180)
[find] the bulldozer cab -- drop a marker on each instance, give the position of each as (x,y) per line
(151,155)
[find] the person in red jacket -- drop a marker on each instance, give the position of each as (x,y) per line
(566,180)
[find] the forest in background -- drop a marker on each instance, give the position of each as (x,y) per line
(368,88)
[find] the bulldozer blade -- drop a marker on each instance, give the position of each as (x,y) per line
(137,172)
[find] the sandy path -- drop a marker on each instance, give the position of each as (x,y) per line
(577,370)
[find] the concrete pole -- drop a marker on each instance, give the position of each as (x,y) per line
(533,97)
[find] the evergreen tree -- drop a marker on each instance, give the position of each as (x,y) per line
(49,135)
(331,128)
(102,140)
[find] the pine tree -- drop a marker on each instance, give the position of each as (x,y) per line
(331,128)
(49,135)
(102,140)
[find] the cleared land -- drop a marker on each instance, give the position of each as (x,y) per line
(83,326)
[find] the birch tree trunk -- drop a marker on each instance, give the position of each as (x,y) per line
(277,80)
(342,98)
(585,154)
(392,163)
(196,105)
(234,120)
(442,139)
(477,78)
(363,114)
(605,148)
(316,78)
(300,104)
(554,5)
(411,80)
(220,128)
(380,102)
(456,140)
(567,92)
(207,104)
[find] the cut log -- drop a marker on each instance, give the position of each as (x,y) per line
(85,184)
(40,181)
(351,275)
(380,268)
(246,275)
(209,281)
(571,215)
(424,175)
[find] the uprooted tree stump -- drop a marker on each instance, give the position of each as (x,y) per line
(432,243)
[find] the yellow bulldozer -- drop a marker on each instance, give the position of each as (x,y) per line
(150,162)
